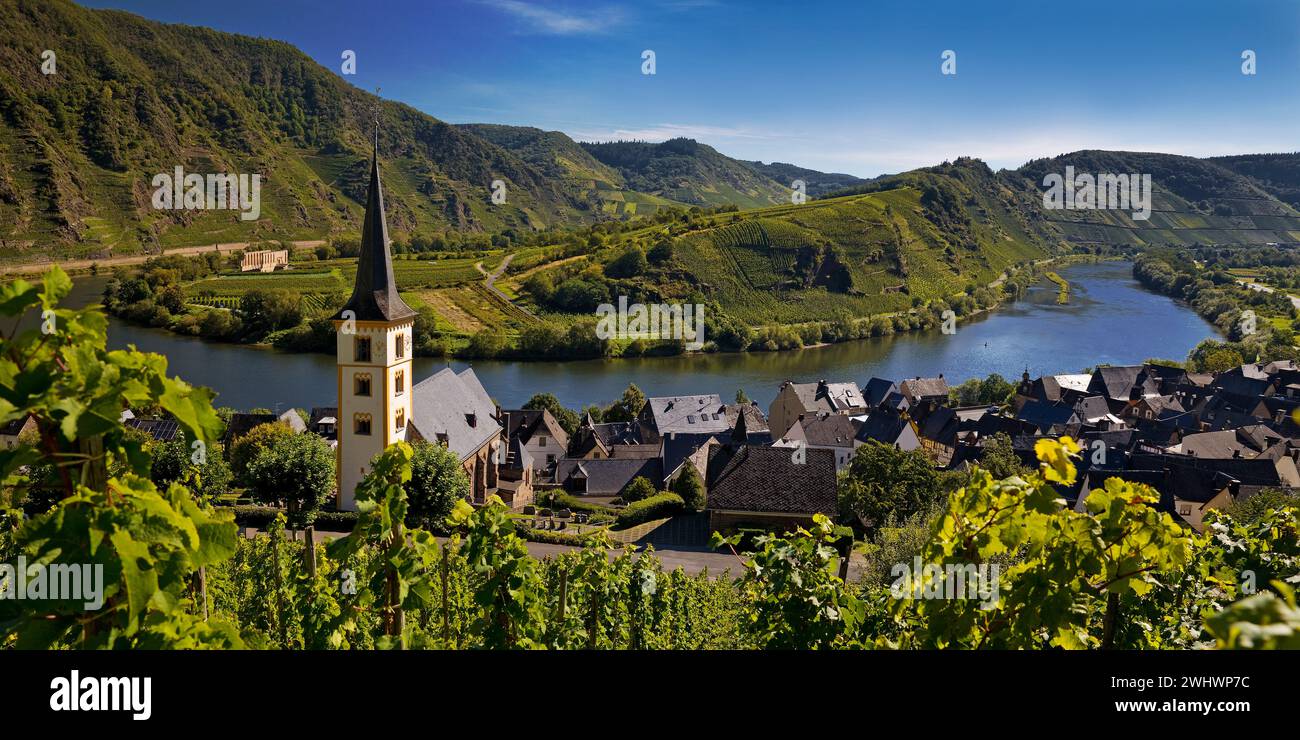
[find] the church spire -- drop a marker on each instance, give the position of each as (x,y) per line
(374,297)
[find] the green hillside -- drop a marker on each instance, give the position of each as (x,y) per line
(1277,174)
(562,158)
(1195,201)
(132,98)
(687,171)
(816,183)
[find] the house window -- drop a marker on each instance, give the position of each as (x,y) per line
(399,348)
(361,424)
(541,441)
(401,418)
(399,382)
(361,349)
(361,384)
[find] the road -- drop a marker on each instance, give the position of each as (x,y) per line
(137,259)
(1265,289)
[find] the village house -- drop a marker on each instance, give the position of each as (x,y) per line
(825,431)
(920,390)
(540,434)
(808,399)
(752,487)
(689,414)
(11,430)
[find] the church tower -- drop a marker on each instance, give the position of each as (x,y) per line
(374,354)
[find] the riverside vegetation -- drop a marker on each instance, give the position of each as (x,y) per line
(1120,574)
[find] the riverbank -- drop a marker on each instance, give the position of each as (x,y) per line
(1033,333)
(190,308)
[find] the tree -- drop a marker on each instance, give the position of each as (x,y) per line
(296,472)
(1000,458)
(438,481)
(626,408)
(487,343)
(661,252)
(244,449)
(639,489)
(204,471)
(632,263)
(884,483)
(689,486)
(568,419)
(266,311)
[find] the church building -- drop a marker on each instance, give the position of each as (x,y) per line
(379,402)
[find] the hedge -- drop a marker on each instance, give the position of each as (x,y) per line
(557,538)
(569,501)
(656,507)
(261,517)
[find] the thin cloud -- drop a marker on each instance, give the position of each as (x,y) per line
(560,22)
(666,131)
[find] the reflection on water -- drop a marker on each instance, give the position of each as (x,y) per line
(1110,319)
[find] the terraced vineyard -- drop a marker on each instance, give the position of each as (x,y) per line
(865,254)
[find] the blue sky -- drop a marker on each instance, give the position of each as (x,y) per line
(839,86)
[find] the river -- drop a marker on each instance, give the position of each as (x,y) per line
(1110,319)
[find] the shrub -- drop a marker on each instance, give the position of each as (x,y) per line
(656,507)
(638,490)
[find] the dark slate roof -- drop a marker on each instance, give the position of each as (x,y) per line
(678,446)
(525,423)
(882,425)
(829,430)
(241,424)
(755,419)
(375,297)
(163,430)
(1115,382)
(1045,416)
(941,425)
(1256,472)
(767,479)
(1091,407)
(13,427)
(877,390)
(609,477)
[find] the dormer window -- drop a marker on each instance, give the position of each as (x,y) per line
(442,439)
(471,420)
(361,349)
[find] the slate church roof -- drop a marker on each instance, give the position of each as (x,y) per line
(375,297)
(453,407)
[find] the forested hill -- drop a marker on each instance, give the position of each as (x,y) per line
(131,98)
